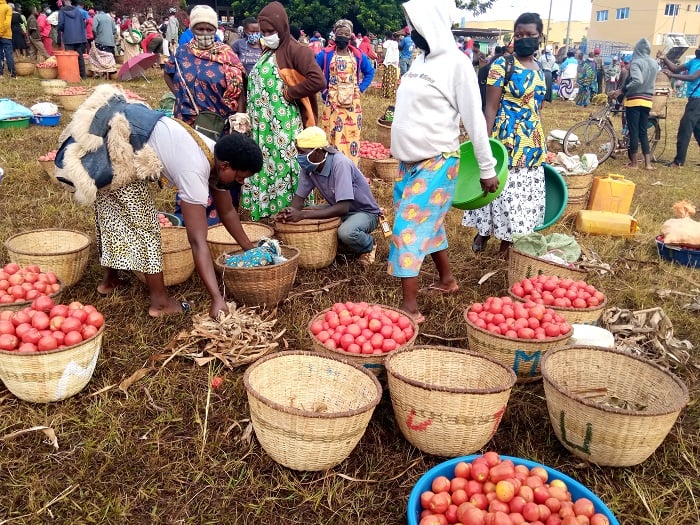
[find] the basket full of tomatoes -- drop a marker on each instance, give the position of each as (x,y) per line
(48,352)
(578,301)
(362,333)
(20,286)
(516,334)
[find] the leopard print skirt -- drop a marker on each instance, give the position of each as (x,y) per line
(128,233)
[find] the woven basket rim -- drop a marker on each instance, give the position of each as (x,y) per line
(537,259)
(390,160)
(451,390)
(680,403)
(23,304)
(58,350)
(514,339)
(601,306)
(322,225)
(219,226)
(314,415)
(221,266)
(68,252)
(407,344)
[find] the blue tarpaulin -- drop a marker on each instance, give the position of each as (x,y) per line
(10,109)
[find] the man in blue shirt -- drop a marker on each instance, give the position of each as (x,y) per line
(342,185)
(405,51)
(690,121)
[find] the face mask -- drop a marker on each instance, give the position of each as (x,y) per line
(204,42)
(341,42)
(420,42)
(272,41)
(525,47)
(253,38)
(306,164)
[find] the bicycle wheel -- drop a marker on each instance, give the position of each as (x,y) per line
(654,134)
(590,136)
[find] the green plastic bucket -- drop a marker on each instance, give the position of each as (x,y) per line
(468,193)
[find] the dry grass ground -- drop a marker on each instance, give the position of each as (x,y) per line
(138,458)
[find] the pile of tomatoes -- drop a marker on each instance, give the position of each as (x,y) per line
(74,90)
(164,221)
(45,326)
(374,150)
(558,292)
(18,285)
(361,328)
(528,320)
(51,155)
(492,491)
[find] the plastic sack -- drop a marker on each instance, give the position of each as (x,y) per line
(44,109)
(684,232)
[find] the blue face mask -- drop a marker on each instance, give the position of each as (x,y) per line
(306,164)
(253,38)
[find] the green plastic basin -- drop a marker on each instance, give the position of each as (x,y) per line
(556,196)
(468,192)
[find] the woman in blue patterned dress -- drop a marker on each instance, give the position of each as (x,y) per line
(513,115)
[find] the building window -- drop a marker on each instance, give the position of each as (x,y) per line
(692,40)
(622,13)
(601,16)
(672,9)
(697,8)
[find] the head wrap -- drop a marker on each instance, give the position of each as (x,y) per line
(343,23)
(596,51)
(548,48)
(203,14)
(311,138)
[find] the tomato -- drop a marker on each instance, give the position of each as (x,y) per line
(17,292)
(32,335)
(6,327)
(40,321)
(80,315)
(316,327)
(440,484)
(346,340)
(440,502)
(59,309)
(71,324)
(584,506)
(46,343)
(8,342)
(27,347)
(89,331)
(59,336)
(11,268)
(72,338)
(21,317)
(388,345)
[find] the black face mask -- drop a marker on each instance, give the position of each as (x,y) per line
(420,42)
(525,47)
(341,42)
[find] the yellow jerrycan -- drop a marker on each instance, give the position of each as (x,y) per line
(611,193)
(606,223)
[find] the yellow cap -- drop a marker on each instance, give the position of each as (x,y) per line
(312,138)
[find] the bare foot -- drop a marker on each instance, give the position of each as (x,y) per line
(173,306)
(107,286)
(650,168)
(631,166)
(444,287)
(413,314)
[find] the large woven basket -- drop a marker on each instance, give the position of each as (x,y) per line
(308,410)
(220,241)
(366,166)
(523,266)
(52,85)
(262,285)
(524,356)
(24,69)
(372,362)
(16,307)
(384,133)
(578,185)
(574,315)
(71,102)
(447,402)
(387,169)
(47,73)
(43,377)
(575,205)
(317,240)
(64,252)
(178,261)
(581,384)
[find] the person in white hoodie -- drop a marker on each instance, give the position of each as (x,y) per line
(439,88)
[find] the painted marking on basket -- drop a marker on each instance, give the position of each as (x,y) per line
(74,371)
(586,447)
(497,417)
(418,426)
(534,358)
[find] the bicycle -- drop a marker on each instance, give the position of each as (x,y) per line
(598,135)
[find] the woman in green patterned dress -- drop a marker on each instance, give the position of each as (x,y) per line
(282,91)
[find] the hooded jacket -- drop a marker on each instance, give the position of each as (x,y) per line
(296,64)
(71,25)
(5,20)
(436,91)
(639,87)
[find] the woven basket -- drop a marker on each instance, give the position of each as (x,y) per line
(16,307)
(575,205)
(317,240)
(43,377)
(263,285)
(578,185)
(522,355)
(577,379)
(366,166)
(52,87)
(372,362)
(178,261)
(309,411)
(384,133)
(387,169)
(71,102)
(574,315)
(47,73)
(522,266)
(447,402)
(220,241)
(24,69)
(64,252)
